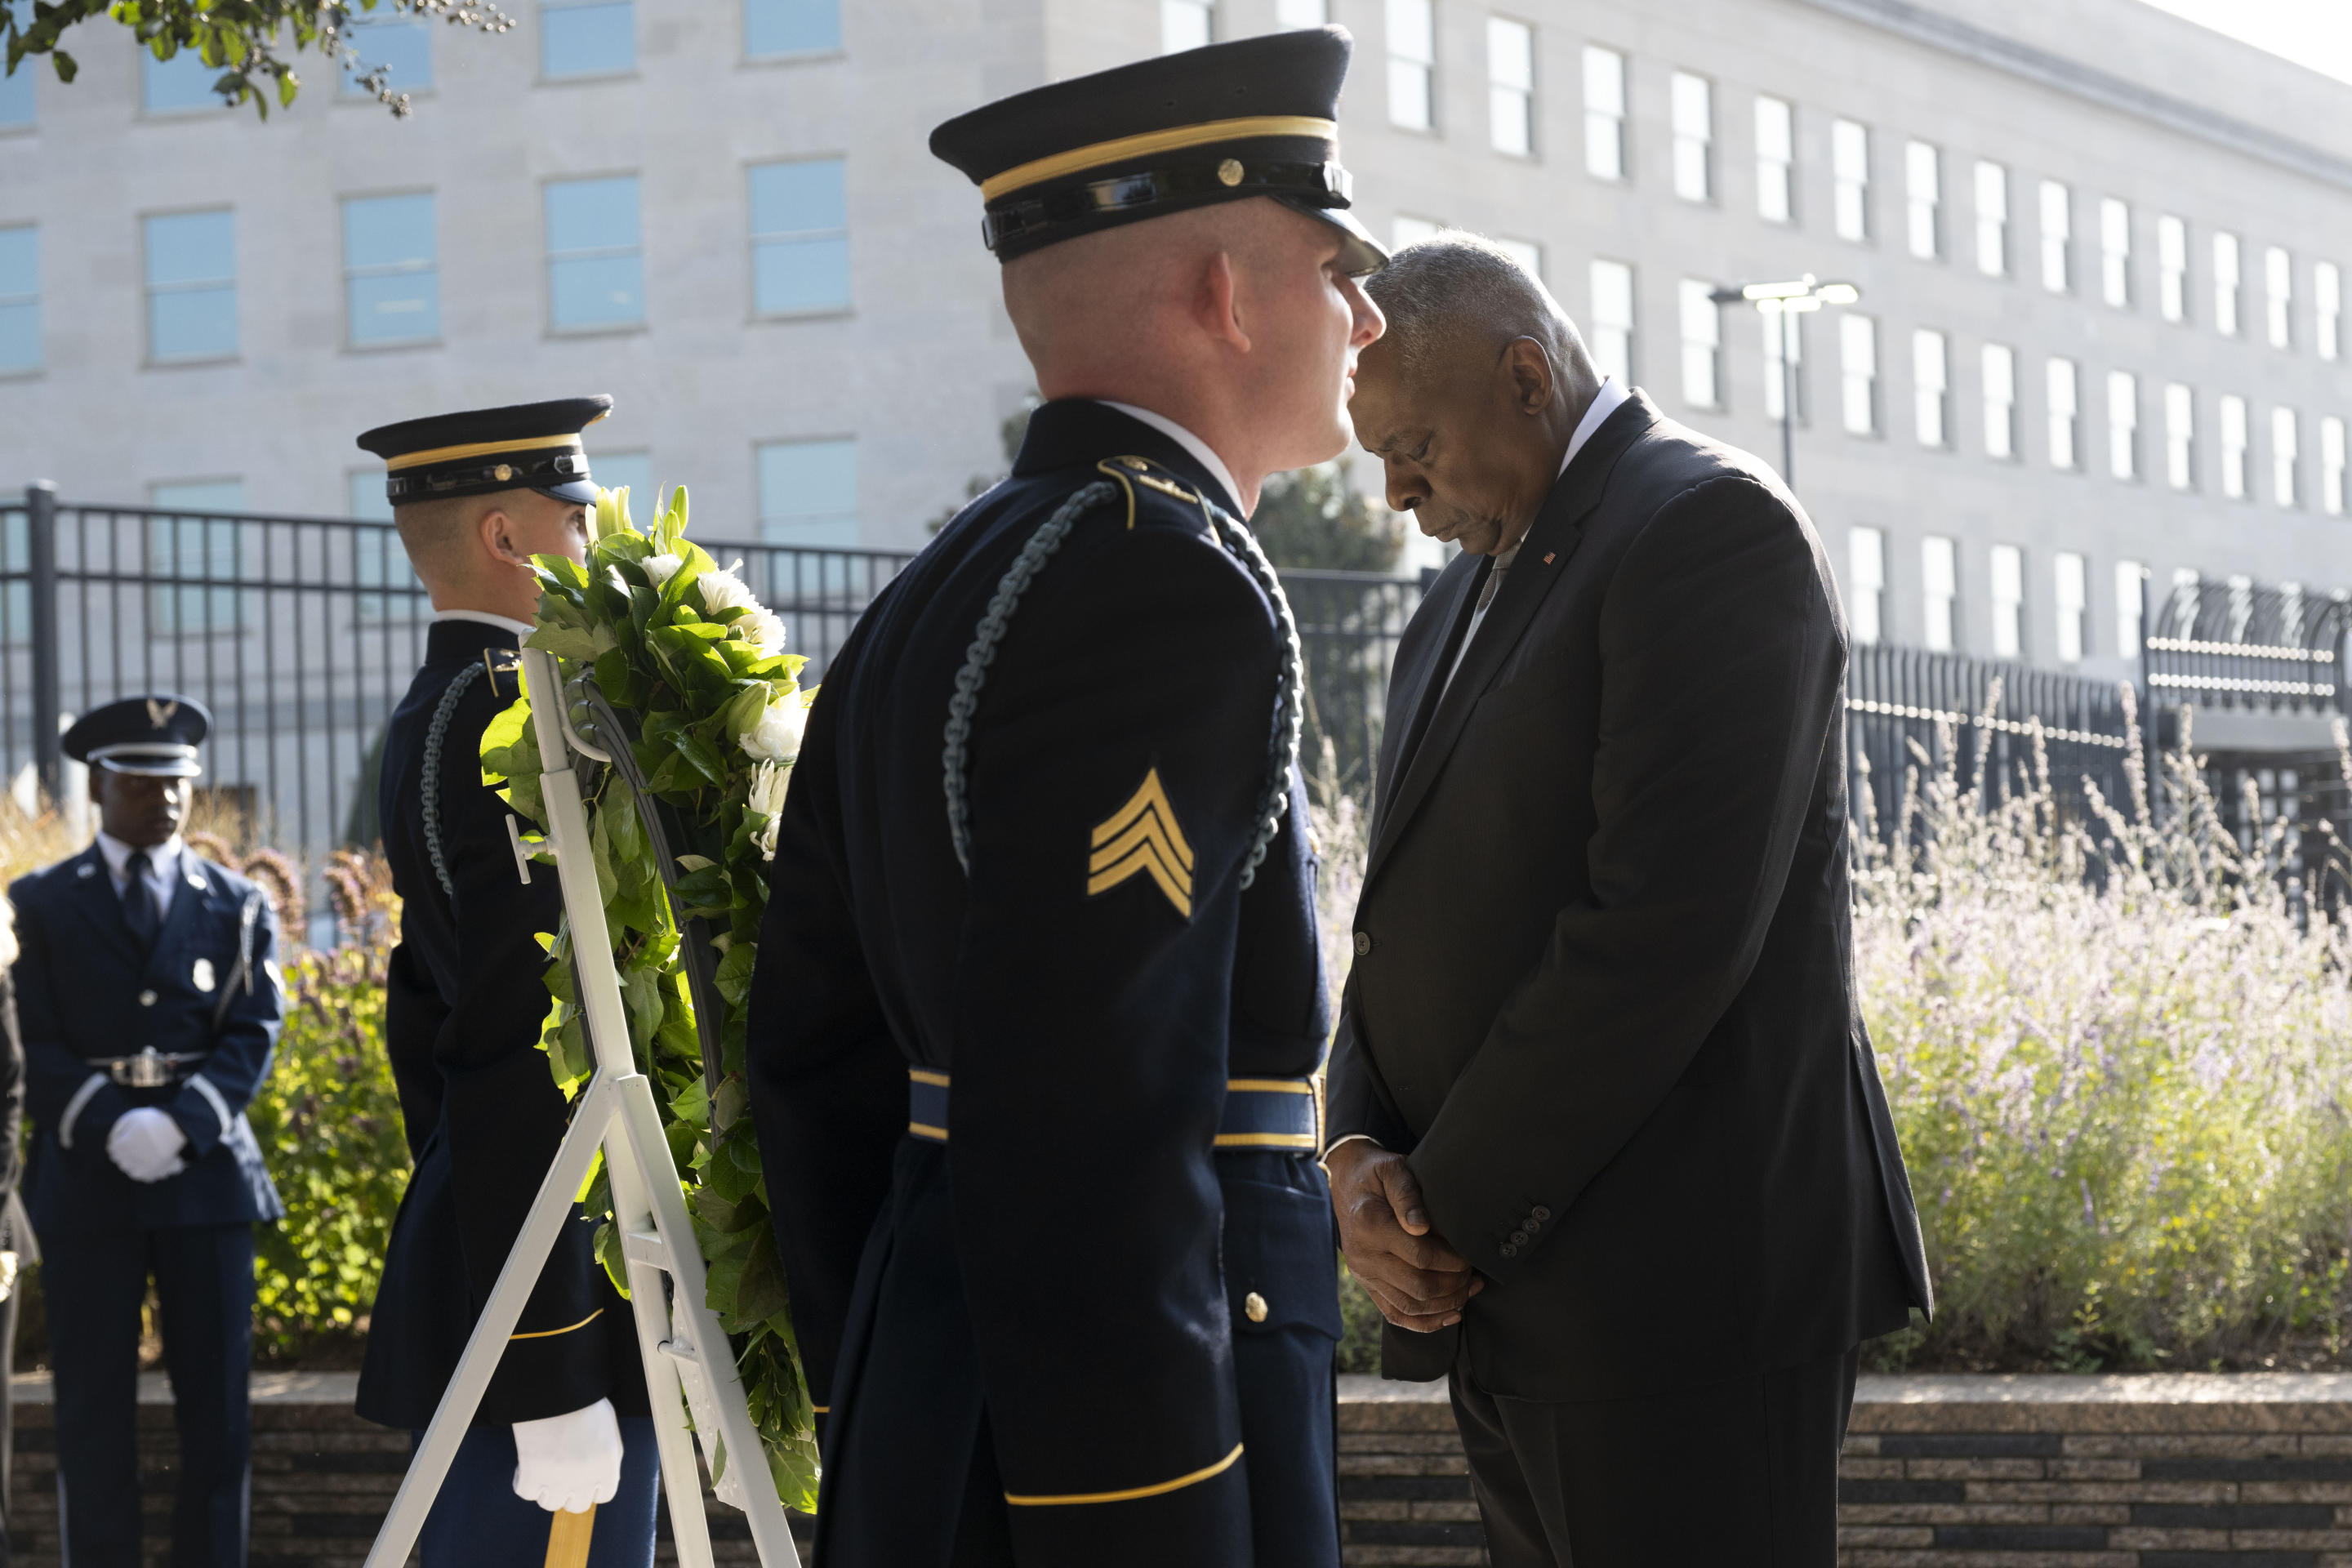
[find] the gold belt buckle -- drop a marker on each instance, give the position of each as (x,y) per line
(148,1069)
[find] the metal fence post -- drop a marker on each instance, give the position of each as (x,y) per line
(41,531)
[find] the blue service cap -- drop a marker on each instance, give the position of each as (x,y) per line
(525,445)
(156,735)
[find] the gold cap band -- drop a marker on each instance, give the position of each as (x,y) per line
(1176,139)
(483,449)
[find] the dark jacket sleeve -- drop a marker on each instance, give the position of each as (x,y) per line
(12,1088)
(1722,665)
(1356,1100)
(57,1079)
(208,1104)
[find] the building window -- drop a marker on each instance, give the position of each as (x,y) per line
(1187,24)
(773,27)
(2172,267)
(808,494)
(2115,253)
(2000,401)
(191,259)
(2057,236)
(595,271)
(1858,355)
(1292,15)
(1867,571)
(1783,330)
(2180,437)
(2286,452)
(1775,160)
(1850,170)
(1694,109)
(196,542)
(392,288)
(2131,579)
(183,82)
(2064,409)
(1924,192)
(2072,594)
(587,37)
(400,45)
(1992,220)
(2123,424)
(1412,63)
(1612,335)
(800,237)
(2225,284)
(1930,386)
(2008,602)
(1939,593)
(1406,229)
(15,96)
(1511,86)
(2278,296)
(2233,447)
(2331,466)
(1604,113)
(1525,252)
(20,299)
(2328,310)
(378,561)
(1702,345)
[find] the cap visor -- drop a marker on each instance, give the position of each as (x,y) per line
(1361,254)
(579,492)
(188,769)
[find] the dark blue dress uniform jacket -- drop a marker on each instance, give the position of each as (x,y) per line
(1032,1339)
(85,990)
(463,1009)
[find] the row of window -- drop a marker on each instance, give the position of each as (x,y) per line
(798,213)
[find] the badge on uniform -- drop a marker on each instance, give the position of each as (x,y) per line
(202,974)
(1141,839)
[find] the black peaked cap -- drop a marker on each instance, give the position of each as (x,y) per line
(524,445)
(156,734)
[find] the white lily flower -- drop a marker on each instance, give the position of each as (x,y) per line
(723,591)
(776,738)
(763,629)
(765,838)
(661,568)
(769,781)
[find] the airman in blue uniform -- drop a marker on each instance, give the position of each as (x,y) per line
(149,994)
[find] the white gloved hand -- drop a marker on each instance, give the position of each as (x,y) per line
(145,1142)
(566,1463)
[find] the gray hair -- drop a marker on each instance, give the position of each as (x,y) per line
(1457,287)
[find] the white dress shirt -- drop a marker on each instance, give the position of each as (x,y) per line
(162,875)
(1190,442)
(520,628)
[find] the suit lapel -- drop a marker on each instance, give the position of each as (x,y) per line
(92,895)
(1452,597)
(185,897)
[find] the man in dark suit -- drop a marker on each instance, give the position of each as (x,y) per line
(1608,1143)
(149,996)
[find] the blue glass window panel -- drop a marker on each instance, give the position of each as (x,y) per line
(587,40)
(191,248)
(378,560)
(595,274)
(404,48)
(791,26)
(601,291)
(393,286)
(633,472)
(16,92)
(593,214)
(395,308)
(20,299)
(799,197)
(20,336)
(184,81)
(199,548)
(808,494)
(190,286)
(367,498)
(800,243)
(792,275)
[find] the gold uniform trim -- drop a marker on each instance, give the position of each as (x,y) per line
(551,1333)
(925,1075)
(1204,1473)
(1175,139)
(1142,838)
(482,449)
(925,1130)
(1267,1141)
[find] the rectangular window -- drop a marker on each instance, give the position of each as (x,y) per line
(1775,160)
(1511,86)
(1187,24)
(2008,602)
(1604,113)
(2172,267)
(1858,355)
(2123,424)
(808,494)
(183,82)
(191,261)
(1867,571)
(2225,284)
(1850,169)
(2286,453)
(392,286)
(1783,330)
(596,269)
(378,561)
(198,547)
(2115,253)
(2180,437)
(400,46)
(1694,109)
(1406,229)
(1611,336)
(800,237)
(1525,252)
(2057,236)
(2278,296)
(2000,401)
(16,95)
(1939,593)
(1292,15)
(2331,466)
(587,37)
(1924,193)
(2071,594)
(1930,386)
(2328,310)
(1992,220)
(2233,447)
(2064,409)
(1412,63)
(774,27)
(1702,345)
(20,299)
(2130,577)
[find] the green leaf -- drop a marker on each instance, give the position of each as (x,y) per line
(760,1295)
(734,974)
(703,757)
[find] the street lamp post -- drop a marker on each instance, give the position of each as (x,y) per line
(1796,296)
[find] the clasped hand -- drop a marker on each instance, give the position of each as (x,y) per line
(569,1463)
(1415,1279)
(144,1144)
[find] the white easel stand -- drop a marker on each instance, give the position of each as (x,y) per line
(617,1114)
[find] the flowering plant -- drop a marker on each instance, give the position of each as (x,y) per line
(683,644)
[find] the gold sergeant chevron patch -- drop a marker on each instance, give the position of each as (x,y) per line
(1141,839)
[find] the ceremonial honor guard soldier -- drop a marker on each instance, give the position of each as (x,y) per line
(562,1425)
(1038,1000)
(148,992)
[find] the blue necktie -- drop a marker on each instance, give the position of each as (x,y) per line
(139,908)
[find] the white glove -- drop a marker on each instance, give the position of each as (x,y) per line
(145,1142)
(566,1464)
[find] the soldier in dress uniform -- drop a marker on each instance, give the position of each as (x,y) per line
(564,1425)
(148,992)
(1038,1000)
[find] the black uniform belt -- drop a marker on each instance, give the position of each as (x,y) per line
(1260,1113)
(150,1068)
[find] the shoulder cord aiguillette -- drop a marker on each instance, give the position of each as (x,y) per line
(435,733)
